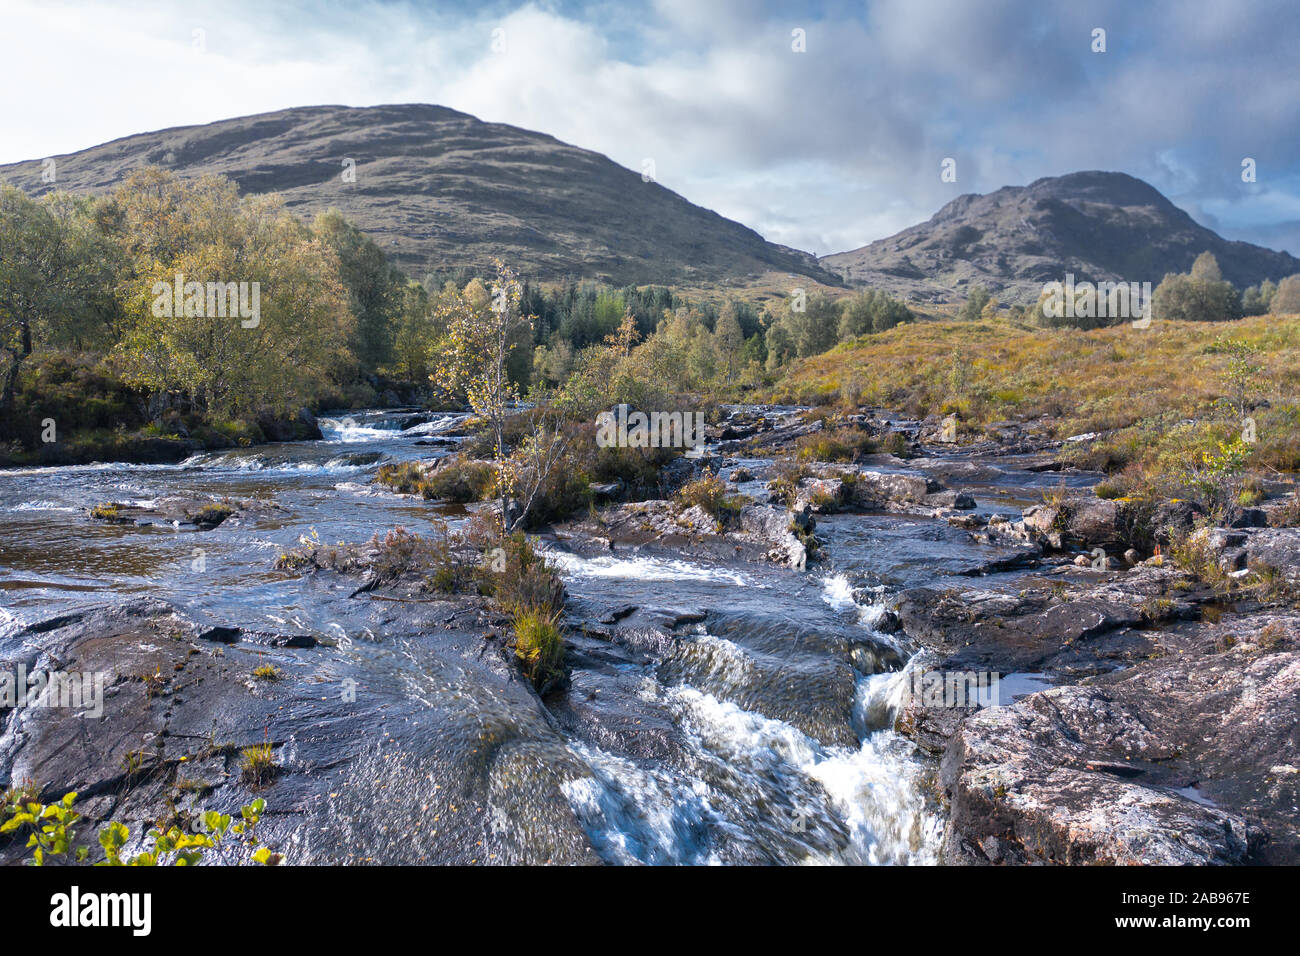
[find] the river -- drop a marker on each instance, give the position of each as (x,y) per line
(778,696)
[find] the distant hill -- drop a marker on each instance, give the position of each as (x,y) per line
(440,189)
(1098,225)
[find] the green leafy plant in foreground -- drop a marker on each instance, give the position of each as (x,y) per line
(53,838)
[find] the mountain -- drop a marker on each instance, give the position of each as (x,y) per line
(440,189)
(1097,225)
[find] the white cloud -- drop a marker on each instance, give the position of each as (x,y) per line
(822,150)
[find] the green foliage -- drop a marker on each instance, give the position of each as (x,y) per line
(802,332)
(404,477)
(521,578)
(1242,372)
(54,280)
(451,479)
(376,289)
(711,494)
(1286,299)
(203,231)
(460,481)
(1199,296)
(844,444)
(871,311)
(53,836)
(528,588)
(1217,475)
(1258,299)
(973,308)
(97,275)
(539,643)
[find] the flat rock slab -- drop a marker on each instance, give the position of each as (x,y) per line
(422,745)
(1185,758)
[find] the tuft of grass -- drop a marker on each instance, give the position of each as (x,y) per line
(107,511)
(844,444)
(1192,552)
(452,479)
(461,481)
(896,444)
(1272,638)
(404,477)
(521,578)
(257,766)
(712,495)
(267,672)
(539,643)
(1109,490)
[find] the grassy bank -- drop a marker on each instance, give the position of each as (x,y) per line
(1135,387)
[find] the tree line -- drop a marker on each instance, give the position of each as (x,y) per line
(1199,295)
(140,277)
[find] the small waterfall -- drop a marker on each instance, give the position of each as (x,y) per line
(757,789)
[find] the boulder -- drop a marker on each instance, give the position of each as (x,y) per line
(771,526)
(698,521)
(1277,551)
(874,490)
(1068,776)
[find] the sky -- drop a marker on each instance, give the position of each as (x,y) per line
(821,125)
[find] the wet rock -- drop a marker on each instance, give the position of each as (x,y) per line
(1030,631)
(1066,776)
(874,491)
(928,724)
(1250,518)
(820,495)
(617,614)
(203,514)
(802,675)
(678,472)
(177,714)
(1096,522)
(958,500)
(1276,550)
(604,704)
(771,526)
(698,521)
(220,634)
(607,490)
(1173,519)
(1112,525)
(297,428)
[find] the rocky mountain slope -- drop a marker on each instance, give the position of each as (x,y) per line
(441,189)
(1098,225)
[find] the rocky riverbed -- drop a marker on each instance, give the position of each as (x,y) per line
(736,686)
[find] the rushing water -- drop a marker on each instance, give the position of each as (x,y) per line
(788,754)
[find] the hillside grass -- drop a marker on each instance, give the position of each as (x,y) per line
(1134,386)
